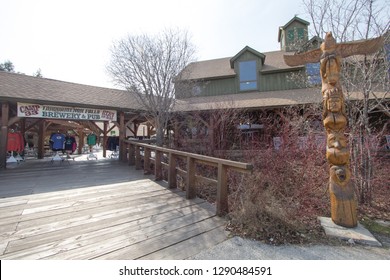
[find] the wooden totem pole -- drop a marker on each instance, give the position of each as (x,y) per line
(342,197)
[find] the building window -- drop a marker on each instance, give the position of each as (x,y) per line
(196,90)
(313,74)
(248,75)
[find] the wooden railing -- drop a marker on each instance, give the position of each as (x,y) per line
(140,155)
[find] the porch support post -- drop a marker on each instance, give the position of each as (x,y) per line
(81,141)
(122,136)
(41,139)
(4,135)
(105,126)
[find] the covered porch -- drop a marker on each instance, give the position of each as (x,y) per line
(38,108)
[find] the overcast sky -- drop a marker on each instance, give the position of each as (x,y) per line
(70,40)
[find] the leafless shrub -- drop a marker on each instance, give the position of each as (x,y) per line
(280,202)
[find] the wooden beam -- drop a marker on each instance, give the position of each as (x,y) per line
(81,141)
(131,150)
(4,134)
(198,178)
(13,120)
(198,116)
(33,124)
(47,124)
(131,130)
(122,136)
(105,126)
(176,131)
(172,174)
(116,124)
(179,122)
(136,126)
(222,191)
(190,180)
(22,127)
(41,139)
(197,157)
(137,158)
(96,126)
(147,155)
(211,135)
(158,166)
(131,120)
(111,128)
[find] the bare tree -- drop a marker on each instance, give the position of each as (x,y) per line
(38,73)
(146,66)
(365,78)
(7,66)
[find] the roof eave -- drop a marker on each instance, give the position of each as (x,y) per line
(61,103)
(282,70)
(208,78)
(295,19)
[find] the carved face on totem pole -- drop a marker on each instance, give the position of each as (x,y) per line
(334,117)
(337,152)
(334,104)
(340,175)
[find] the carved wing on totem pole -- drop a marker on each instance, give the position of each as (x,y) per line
(342,49)
(359,48)
(303,58)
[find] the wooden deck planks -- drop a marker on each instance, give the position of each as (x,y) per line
(161,241)
(132,217)
(189,247)
(72,207)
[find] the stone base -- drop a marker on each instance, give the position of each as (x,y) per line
(358,234)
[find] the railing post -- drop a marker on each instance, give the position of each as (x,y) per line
(222,191)
(131,154)
(127,154)
(158,166)
(172,174)
(190,180)
(147,155)
(137,158)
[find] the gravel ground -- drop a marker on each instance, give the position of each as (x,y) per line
(237,248)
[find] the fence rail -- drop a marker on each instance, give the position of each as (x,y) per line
(140,155)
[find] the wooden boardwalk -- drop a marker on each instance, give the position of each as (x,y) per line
(99,210)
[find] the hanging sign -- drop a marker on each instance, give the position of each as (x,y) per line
(65,113)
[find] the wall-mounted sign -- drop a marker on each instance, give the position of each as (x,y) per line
(65,113)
